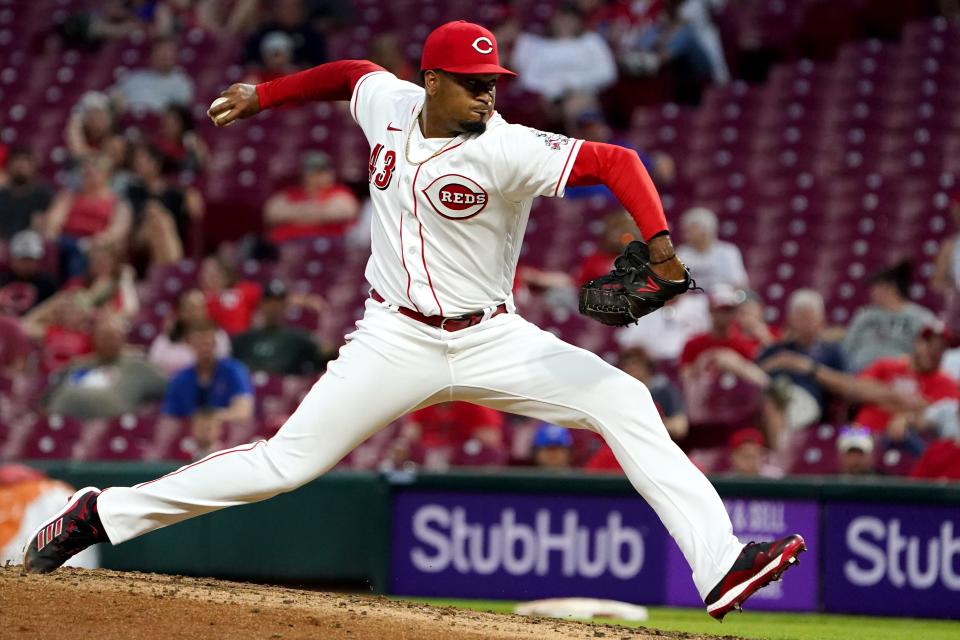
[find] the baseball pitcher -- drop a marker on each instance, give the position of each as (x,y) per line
(452,184)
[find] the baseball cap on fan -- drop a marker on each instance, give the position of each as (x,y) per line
(939,329)
(855,437)
(462,47)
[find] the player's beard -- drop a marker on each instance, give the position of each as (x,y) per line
(473,126)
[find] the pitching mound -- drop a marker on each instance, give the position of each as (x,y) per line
(127,606)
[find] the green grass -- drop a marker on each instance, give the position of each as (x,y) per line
(764,626)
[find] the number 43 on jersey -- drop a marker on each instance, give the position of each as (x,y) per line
(381,179)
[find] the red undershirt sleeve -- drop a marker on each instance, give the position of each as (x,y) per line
(622,172)
(330,81)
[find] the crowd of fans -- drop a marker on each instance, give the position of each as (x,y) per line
(734,391)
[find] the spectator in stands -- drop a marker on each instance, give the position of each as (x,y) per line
(940,460)
(181,148)
(62,329)
(591,125)
(506,28)
(434,436)
(319,205)
(569,63)
(709,359)
(275,346)
(91,129)
(666,395)
(90,214)
(230,304)
(557,287)
(61,320)
(169,350)
(670,44)
(218,18)
(163,213)
(23,282)
(108,282)
(751,325)
(700,351)
(713,261)
(110,382)
(878,391)
(663,334)
(206,432)
(804,335)
(917,374)
(160,85)
(290,17)
(697,14)
(855,446)
(552,447)
(219,385)
(276,58)
(887,326)
(110,20)
(385,51)
(611,19)
(25,197)
(747,455)
(617,232)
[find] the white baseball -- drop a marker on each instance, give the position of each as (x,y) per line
(216,103)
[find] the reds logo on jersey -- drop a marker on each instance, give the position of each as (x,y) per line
(456,197)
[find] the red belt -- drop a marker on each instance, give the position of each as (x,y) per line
(441,322)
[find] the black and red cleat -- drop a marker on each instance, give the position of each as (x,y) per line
(65,535)
(759,564)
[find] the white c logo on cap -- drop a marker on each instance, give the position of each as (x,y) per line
(477,44)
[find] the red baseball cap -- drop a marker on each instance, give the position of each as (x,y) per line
(940,329)
(745,435)
(462,47)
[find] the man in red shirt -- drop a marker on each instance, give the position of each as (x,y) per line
(917,374)
(438,432)
(318,206)
(724,302)
(941,460)
(230,304)
(720,348)
(721,383)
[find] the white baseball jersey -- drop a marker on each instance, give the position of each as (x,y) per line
(447,228)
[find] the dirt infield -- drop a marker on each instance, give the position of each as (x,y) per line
(108,604)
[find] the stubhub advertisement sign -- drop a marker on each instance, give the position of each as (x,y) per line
(511,546)
(892,560)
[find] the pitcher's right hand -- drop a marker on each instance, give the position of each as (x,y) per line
(238,101)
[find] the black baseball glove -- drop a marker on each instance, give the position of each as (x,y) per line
(631,290)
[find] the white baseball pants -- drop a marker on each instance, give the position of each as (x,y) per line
(392,365)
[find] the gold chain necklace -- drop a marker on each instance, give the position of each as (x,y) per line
(406,148)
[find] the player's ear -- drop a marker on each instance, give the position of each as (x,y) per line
(431,81)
